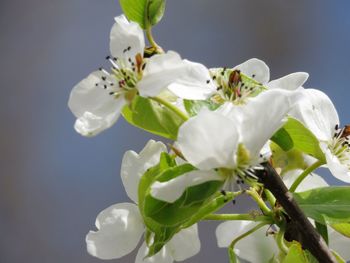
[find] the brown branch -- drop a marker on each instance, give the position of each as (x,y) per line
(309,237)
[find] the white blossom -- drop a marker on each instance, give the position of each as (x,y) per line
(230,138)
(120,226)
(97,100)
(231,88)
(317,112)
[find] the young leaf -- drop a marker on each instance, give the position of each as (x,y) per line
(219,200)
(297,255)
(326,204)
(283,140)
(194,106)
(338,257)
(152,117)
(287,160)
(164,219)
(342,228)
(144,12)
(190,203)
(294,135)
(322,230)
(156,10)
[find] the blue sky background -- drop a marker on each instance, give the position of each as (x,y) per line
(53,182)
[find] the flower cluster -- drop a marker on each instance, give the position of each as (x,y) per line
(227,125)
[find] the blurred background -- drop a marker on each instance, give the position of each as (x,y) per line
(53,182)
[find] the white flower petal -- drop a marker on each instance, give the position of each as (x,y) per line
(135,165)
(289,82)
(186,79)
(317,112)
(90,125)
(261,117)
(310,182)
(163,256)
(209,140)
(126,39)
(339,243)
(256,247)
(94,107)
(185,244)
(339,170)
(255,68)
(173,189)
(120,228)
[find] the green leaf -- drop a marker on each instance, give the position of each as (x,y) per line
(190,203)
(287,160)
(342,228)
(144,12)
(156,11)
(322,230)
(326,204)
(297,255)
(164,219)
(219,200)
(338,257)
(161,234)
(194,106)
(152,117)
(283,139)
(294,135)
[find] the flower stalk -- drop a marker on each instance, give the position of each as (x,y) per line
(303,175)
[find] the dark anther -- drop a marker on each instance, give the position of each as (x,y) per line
(111,93)
(115,59)
(223,192)
(336,126)
(96,84)
(103,78)
(105,86)
(233,202)
(143,66)
(253,76)
(129,48)
(214,78)
(208,81)
(100,69)
(108,57)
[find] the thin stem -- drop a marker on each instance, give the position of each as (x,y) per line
(257,198)
(214,205)
(303,175)
(171,107)
(280,240)
(247,217)
(270,197)
(252,230)
(152,41)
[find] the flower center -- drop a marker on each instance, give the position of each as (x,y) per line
(234,86)
(245,170)
(340,143)
(124,75)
